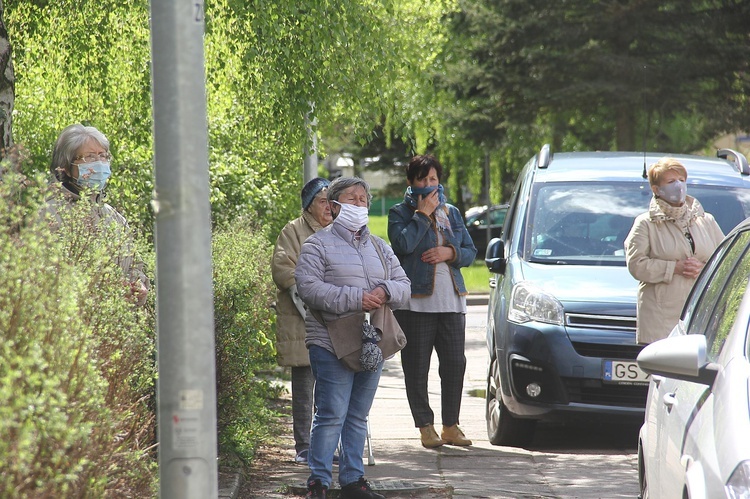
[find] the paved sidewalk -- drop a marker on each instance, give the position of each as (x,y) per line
(403,468)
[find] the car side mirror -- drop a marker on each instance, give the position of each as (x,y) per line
(681,357)
(495,256)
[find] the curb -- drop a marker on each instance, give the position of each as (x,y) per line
(229,484)
(474,299)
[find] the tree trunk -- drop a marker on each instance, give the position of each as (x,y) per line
(625,128)
(7,86)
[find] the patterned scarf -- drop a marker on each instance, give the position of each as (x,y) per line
(441,212)
(683,216)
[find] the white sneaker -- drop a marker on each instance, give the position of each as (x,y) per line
(301,457)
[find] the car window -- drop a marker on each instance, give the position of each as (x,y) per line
(586,223)
(716,309)
(729,206)
(498,216)
(583,222)
(689,312)
(512,209)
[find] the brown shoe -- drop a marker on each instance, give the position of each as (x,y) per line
(453,435)
(430,437)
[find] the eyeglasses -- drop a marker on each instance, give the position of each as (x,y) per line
(91,157)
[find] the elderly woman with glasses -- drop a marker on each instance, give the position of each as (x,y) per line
(81,163)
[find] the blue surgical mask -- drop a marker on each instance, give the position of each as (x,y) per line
(93,175)
(674,192)
(423,191)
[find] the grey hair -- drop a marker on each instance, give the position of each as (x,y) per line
(69,142)
(341,184)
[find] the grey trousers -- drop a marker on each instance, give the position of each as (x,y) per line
(446,334)
(302,406)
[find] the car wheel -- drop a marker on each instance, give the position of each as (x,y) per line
(502,427)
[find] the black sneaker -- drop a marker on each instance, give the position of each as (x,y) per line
(359,490)
(316,490)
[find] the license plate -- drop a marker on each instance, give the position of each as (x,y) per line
(623,372)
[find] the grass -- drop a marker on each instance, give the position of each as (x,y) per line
(476,276)
(379,226)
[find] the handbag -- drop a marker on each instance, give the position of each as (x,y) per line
(346,337)
(346,332)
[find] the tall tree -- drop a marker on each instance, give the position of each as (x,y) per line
(266,62)
(611,63)
(7,85)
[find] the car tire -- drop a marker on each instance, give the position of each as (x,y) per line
(502,427)
(642,482)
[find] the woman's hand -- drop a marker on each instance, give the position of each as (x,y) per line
(374,299)
(427,204)
(689,267)
(137,293)
(439,254)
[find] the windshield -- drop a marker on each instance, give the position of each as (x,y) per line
(585,223)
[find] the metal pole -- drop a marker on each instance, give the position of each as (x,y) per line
(186,391)
(487,200)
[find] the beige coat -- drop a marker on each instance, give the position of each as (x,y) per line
(290,325)
(131,266)
(652,249)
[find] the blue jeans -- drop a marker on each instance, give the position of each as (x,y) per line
(342,399)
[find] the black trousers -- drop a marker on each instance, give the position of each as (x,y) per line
(446,333)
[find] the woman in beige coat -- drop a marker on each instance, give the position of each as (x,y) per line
(667,248)
(290,321)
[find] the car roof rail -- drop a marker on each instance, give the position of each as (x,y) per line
(740,161)
(544,157)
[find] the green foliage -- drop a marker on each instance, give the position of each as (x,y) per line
(244,323)
(87,62)
(76,357)
(476,277)
(378,225)
(266,64)
(601,74)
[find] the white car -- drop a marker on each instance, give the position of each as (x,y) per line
(695,440)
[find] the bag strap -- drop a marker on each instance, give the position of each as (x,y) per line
(382,258)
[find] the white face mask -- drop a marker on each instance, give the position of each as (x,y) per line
(351,216)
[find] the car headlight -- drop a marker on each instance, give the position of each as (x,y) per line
(738,485)
(529,303)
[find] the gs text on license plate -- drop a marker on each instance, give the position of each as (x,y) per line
(623,372)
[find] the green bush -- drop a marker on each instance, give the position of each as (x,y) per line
(77,368)
(76,357)
(243,292)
